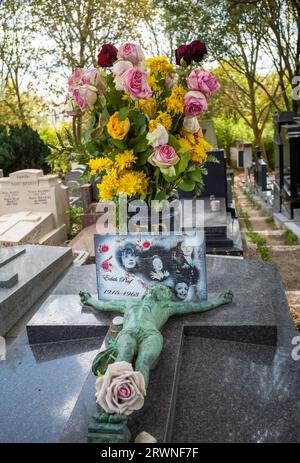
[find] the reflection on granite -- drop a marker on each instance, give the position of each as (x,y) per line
(251,394)
(39,388)
(9,254)
(38,268)
(61,317)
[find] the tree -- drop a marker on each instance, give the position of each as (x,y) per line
(279,21)
(235,41)
(17,54)
(77,29)
(22,148)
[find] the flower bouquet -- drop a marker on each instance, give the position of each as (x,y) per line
(142,136)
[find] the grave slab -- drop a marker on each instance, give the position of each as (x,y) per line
(238,354)
(38,268)
(62,317)
(215,366)
(39,387)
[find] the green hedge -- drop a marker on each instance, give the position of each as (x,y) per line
(21,147)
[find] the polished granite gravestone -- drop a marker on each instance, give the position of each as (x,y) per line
(36,269)
(39,387)
(223,376)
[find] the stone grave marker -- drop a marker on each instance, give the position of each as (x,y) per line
(25,274)
(33,208)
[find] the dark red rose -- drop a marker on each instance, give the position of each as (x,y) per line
(183,51)
(107,55)
(197,50)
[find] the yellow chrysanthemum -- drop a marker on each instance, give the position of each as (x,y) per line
(147,106)
(160,64)
(108,186)
(197,146)
(117,129)
(175,102)
(163,118)
(99,164)
(133,183)
(153,83)
(125,160)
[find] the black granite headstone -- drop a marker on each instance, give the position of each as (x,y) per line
(291,166)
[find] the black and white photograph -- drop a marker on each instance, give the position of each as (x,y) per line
(126,265)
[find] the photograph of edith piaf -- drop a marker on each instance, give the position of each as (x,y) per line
(127,264)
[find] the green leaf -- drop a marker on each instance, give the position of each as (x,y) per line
(183,163)
(196,176)
(212,158)
(136,140)
(160,195)
(119,144)
(141,146)
(187,185)
(90,147)
(174,142)
(123,113)
(143,158)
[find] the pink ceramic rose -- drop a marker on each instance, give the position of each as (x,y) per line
(195,103)
(135,82)
(121,390)
(165,158)
(131,52)
(203,81)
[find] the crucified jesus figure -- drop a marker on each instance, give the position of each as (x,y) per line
(140,341)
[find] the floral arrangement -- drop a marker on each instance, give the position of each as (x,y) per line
(143,137)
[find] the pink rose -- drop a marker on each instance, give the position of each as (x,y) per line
(93,77)
(165,158)
(85,97)
(121,390)
(146,245)
(72,109)
(106,265)
(104,248)
(194,103)
(121,66)
(135,82)
(131,52)
(158,137)
(76,79)
(203,81)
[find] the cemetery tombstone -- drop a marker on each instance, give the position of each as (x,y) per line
(33,208)
(291,167)
(280,119)
(209,132)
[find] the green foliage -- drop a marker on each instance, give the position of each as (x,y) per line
(62,152)
(22,148)
(229,130)
(290,238)
(261,244)
(75,214)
